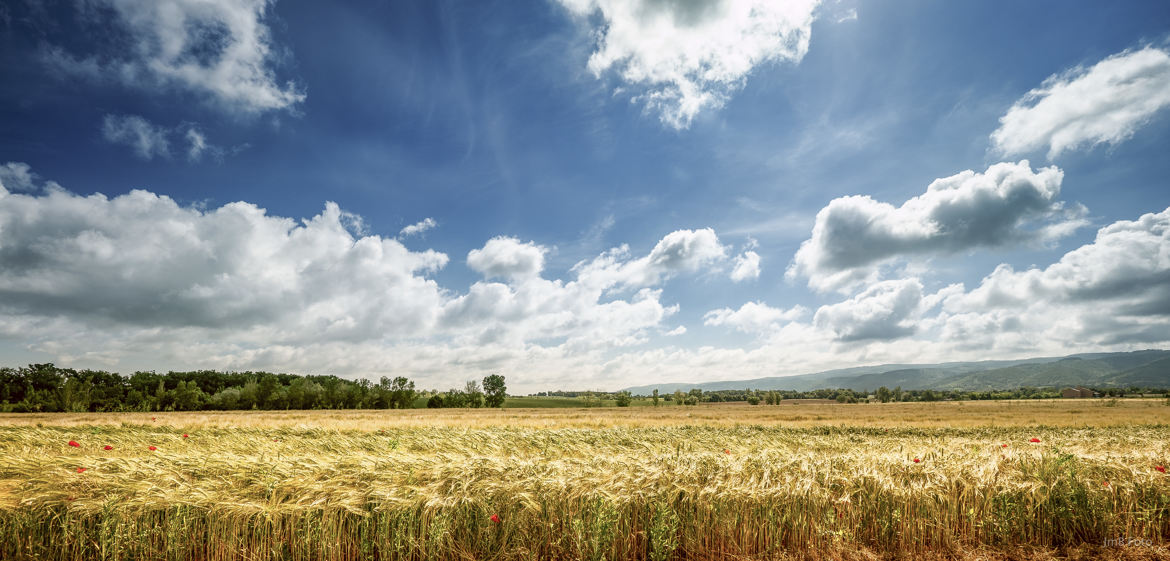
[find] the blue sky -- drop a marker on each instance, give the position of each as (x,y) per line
(605,193)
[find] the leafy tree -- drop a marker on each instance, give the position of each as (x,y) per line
(187,396)
(679,396)
(226,399)
(435,402)
(623,399)
(473,395)
(884,394)
(655,397)
(401,393)
(494,390)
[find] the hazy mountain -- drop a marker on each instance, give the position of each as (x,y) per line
(1140,368)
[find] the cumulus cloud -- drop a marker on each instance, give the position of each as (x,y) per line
(680,57)
(1008,204)
(17,176)
(146,139)
(218,49)
(886,310)
(678,252)
(1116,289)
(747,267)
(137,280)
(418,227)
(754,317)
(504,257)
(141,259)
(1105,103)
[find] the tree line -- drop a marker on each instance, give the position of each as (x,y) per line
(840,395)
(48,388)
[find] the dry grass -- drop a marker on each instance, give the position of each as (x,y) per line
(592,484)
(792,413)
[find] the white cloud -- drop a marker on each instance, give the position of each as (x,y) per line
(146,139)
(678,252)
(885,310)
(507,258)
(17,176)
(196,144)
(149,140)
(218,49)
(683,56)
(1105,103)
(754,317)
(142,260)
(1113,290)
(137,280)
(418,227)
(1008,204)
(747,267)
(849,15)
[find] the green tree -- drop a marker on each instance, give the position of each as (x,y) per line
(656,397)
(623,399)
(187,396)
(495,392)
(474,395)
(679,397)
(884,394)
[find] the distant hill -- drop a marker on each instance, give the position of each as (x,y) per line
(1149,368)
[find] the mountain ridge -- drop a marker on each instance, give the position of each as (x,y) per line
(1147,368)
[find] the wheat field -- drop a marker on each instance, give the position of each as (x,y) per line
(972,480)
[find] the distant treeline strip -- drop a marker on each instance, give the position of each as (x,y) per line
(841,395)
(48,388)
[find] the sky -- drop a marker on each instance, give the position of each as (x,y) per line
(580,194)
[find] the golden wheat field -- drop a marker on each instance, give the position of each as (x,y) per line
(970,480)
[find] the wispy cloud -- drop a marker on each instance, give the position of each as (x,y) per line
(418,227)
(219,49)
(1102,104)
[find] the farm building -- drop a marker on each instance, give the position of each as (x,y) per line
(1076,392)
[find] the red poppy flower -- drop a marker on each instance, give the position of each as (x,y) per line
(152,418)
(1160,468)
(184,436)
(1105,483)
(916,460)
(276,440)
(79,470)
(1034,439)
(495,518)
(726,451)
(151,448)
(1003,445)
(74,444)
(108,447)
